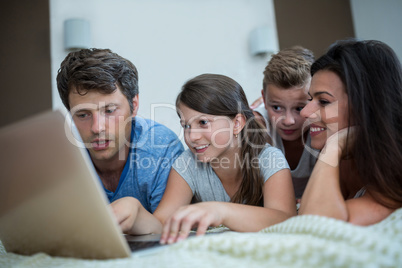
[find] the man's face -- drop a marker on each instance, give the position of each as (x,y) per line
(104,123)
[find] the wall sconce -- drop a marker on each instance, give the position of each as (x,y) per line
(262,41)
(77,34)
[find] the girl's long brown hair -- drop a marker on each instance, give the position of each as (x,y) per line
(220,95)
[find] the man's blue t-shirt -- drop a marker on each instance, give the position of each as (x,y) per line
(153,150)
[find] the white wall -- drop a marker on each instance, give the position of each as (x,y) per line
(380,20)
(170,42)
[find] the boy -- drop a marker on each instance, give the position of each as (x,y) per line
(285,93)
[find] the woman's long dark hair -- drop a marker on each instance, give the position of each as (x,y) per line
(372,75)
(220,95)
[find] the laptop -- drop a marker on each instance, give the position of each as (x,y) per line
(51,199)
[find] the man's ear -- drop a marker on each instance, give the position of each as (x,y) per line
(239,123)
(136,103)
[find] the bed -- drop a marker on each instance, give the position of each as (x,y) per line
(302,241)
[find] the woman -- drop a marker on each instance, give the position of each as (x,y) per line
(355,120)
(229,170)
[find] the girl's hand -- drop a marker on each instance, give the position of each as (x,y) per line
(125,209)
(200,215)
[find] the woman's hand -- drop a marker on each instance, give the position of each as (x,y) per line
(125,209)
(340,139)
(200,215)
(338,146)
(256,103)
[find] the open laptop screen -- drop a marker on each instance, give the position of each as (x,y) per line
(50,197)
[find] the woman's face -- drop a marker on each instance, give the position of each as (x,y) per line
(327,111)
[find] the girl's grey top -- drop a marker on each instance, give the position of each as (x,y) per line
(206,185)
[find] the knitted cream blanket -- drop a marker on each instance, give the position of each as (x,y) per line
(302,241)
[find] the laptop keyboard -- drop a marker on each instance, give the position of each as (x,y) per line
(137,245)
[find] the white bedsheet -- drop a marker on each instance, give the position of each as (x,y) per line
(302,241)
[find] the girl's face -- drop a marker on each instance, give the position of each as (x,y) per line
(327,111)
(208,136)
(283,107)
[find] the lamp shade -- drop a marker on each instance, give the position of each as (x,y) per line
(262,41)
(77,34)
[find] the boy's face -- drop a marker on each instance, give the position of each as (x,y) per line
(104,123)
(283,107)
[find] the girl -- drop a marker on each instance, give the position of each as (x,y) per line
(355,117)
(229,171)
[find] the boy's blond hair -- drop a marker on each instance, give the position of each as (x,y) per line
(288,68)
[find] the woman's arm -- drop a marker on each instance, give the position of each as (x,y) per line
(133,218)
(323,195)
(366,210)
(279,205)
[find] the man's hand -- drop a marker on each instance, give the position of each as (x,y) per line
(125,209)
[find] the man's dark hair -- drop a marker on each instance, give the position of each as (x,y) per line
(97,69)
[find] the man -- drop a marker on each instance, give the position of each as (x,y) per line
(131,155)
